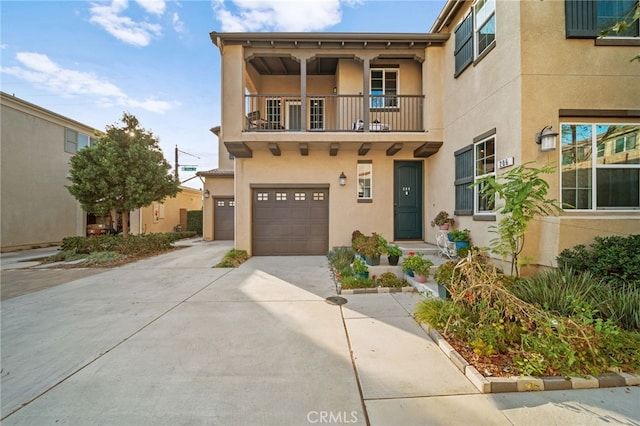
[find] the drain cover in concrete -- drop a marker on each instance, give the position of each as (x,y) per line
(335,300)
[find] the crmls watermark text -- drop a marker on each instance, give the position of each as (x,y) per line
(328,417)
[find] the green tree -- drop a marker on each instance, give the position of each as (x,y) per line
(523,193)
(124,170)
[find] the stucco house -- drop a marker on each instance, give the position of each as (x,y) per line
(36,143)
(37,208)
(327,133)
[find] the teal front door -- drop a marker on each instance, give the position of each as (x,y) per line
(407,200)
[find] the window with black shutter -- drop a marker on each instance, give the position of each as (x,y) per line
(464,178)
(463,52)
(586,18)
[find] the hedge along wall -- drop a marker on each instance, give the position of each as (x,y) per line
(194,221)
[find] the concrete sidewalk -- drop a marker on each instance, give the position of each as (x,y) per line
(171,340)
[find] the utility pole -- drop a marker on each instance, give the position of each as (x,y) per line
(177,165)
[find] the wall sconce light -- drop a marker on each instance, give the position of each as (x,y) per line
(343,179)
(206,193)
(547,139)
(335,90)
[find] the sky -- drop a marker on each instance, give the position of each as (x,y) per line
(91,61)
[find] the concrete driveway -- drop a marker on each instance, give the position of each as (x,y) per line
(171,340)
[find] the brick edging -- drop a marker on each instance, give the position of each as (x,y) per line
(527,383)
(406,289)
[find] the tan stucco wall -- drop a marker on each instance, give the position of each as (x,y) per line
(345,213)
(518,88)
(219,187)
(169,212)
(36,209)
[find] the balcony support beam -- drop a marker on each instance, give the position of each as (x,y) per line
(364,148)
(304,149)
(275,149)
(303,94)
(239,149)
(333,149)
(394,149)
(427,149)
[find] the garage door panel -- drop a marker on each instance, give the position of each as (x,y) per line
(290,221)
(223,223)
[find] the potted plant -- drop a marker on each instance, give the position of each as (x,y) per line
(360,268)
(419,265)
(393,254)
(460,237)
(371,247)
(443,276)
(443,220)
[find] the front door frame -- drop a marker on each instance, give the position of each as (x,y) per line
(408,198)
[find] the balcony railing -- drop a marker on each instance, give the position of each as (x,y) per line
(334,113)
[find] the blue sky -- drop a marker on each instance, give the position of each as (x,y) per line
(93,60)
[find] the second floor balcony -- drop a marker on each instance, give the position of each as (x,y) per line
(334,113)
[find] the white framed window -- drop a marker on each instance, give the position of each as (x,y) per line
(273,110)
(484,25)
(316,114)
(318,196)
(609,180)
(300,196)
(484,165)
(263,196)
(73,141)
(384,88)
(281,196)
(365,180)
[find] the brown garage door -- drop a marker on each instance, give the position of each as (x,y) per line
(290,221)
(223,218)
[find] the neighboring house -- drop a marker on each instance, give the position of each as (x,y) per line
(37,209)
(509,70)
(333,132)
(168,216)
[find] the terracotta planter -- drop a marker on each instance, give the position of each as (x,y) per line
(420,278)
(444,227)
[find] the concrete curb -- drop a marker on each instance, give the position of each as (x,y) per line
(527,383)
(407,289)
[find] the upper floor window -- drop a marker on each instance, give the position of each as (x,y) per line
(484,25)
(610,179)
(316,114)
(74,141)
(475,35)
(384,88)
(586,19)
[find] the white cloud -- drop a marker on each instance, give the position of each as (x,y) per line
(278,15)
(155,7)
(122,27)
(178,25)
(38,69)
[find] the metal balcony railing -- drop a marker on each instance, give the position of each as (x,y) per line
(334,113)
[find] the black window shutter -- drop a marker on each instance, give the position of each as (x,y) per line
(464,178)
(581,18)
(463,52)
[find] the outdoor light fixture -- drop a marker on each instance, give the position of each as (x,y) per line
(335,90)
(547,139)
(343,179)
(206,193)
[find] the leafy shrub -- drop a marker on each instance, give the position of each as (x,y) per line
(355,281)
(341,257)
(233,258)
(194,221)
(131,245)
(615,259)
(488,318)
(389,279)
(561,291)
